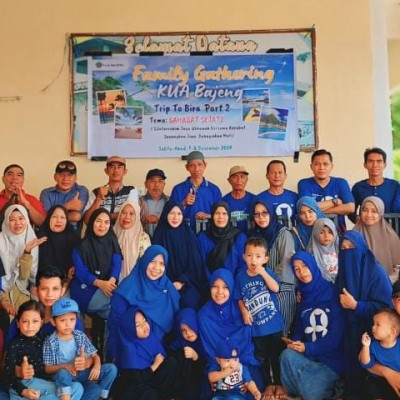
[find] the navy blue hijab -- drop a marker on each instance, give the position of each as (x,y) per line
(185,262)
(305,231)
(319,289)
(158,299)
(271,232)
(363,276)
(220,322)
(133,352)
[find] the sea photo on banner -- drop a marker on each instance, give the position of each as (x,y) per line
(226,93)
(167,106)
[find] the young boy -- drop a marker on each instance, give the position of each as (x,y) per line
(50,288)
(385,350)
(70,356)
(232,375)
(255,290)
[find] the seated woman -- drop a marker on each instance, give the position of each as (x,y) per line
(312,364)
(146,373)
(280,248)
(132,239)
(19,256)
(382,240)
(364,288)
(185,267)
(220,319)
(307,213)
(222,245)
(324,245)
(98,262)
(61,239)
(148,288)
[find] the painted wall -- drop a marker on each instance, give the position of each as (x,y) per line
(35,131)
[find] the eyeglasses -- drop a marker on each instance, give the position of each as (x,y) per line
(66,165)
(260,214)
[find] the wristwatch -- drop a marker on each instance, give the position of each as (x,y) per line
(335,201)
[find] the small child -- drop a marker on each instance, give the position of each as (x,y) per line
(324,245)
(145,370)
(231,376)
(384,350)
(188,350)
(70,356)
(24,369)
(255,290)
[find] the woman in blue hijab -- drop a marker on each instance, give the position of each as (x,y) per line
(146,373)
(312,364)
(220,319)
(308,212)
(363,287)
(186,267)
(148,288)
(280,248)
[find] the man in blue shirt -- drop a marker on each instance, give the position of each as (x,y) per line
(196,194)
(332,194)
(282,200)
(239,199)
(388,190)
(66,193)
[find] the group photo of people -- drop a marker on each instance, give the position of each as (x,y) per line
(197,294)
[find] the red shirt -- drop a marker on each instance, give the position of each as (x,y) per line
(35,203)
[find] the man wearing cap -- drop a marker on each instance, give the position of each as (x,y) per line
(67,192)
(152,203)
(196,194)
(279,199)
(112,195)
(13,179)
(239,199)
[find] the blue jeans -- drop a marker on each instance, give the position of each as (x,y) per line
(91,390)
(228,397)
(306,378)
(47,390)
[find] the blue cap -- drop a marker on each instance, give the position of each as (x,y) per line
(64,306)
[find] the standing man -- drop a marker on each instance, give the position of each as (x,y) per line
(112,195)
(239,199)
(388,190)
(13,179)
(152,203)
(196,194)
(279,199)
(67,192)
(332,194)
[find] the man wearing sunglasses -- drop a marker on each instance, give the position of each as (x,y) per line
(13,179)
(113,194)
(66,192)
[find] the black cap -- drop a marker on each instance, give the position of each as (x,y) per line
(156,172)
(66,166)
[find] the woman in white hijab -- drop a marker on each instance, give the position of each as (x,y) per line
(132,239)
(382,240)
(19,255)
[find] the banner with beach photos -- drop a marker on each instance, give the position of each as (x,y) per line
(198,95)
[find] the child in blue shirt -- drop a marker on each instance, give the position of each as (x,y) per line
(232,376)
(256,289)
(69,355)
(384,350)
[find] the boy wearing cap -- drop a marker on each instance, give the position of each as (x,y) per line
(239,199)
(279,199)
(112,195)
(229,375)
(13,179)
(196,194)
(70,357)
(152,203)
(66,192)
